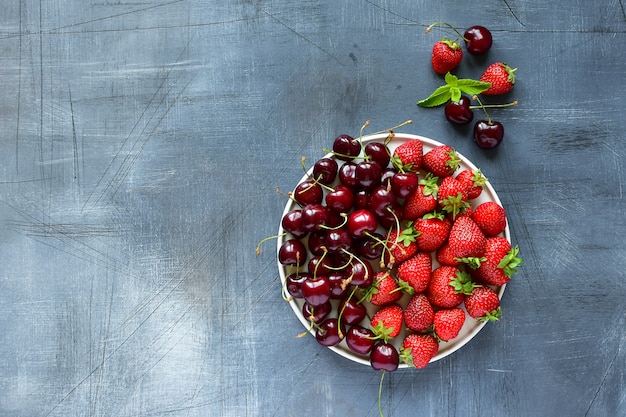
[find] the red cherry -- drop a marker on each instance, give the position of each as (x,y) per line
(327,333)
(361,222)
(404,184)
(488,134)
(360,340)
(346,147)
(478,40)
(384,357)
(459,112)
(316,290)
(292,252)
(325,170)
(352,312)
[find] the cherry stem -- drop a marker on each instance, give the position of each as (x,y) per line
(482,106)
(390,130)
(495,106)
(258,246)
(429,28)
(341,312)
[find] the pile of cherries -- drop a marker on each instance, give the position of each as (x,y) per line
(334,241)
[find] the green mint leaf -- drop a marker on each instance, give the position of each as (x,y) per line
(455,94)
(451,79)
(472,87)
(440,96)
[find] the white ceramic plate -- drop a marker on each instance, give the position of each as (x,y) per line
(471,327)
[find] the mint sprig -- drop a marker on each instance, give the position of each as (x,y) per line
(452,90)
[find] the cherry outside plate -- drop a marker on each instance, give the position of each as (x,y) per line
(471,326)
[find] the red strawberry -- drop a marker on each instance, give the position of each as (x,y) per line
(384,290)
(452,196)
(408,156)
(442,161)
(400,246)
(466,238)
(490,217)
(500,262)
(445,256)
(474,180)
(415,271)
(418,349)
(483,304)
(386,323)
(446,56)
(433,231)
(448,323)
(501,77)
(418,313)
(423,200)
(447,286)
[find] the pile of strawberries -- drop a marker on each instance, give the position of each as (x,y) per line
(472,257)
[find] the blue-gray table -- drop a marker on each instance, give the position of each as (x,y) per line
(142,144)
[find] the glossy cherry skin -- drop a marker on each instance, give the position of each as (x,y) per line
(317,242)
(360,274)
(292,252)
(338,240)
(308,192)
(459,112)
(346,147)
(337,288)
(361,222)
(347,175)
(341,199)
(318,265)
(361,200)
(369,247)
(294,283)
(316,313)
(327,333)
(478,40)
(314,216)
(378,152)
(488,135)
(368,174)
(325,170)
(292,223)
(351,311)
(316,290)
(404,184)
(381,199)
(384,357)
(360,340)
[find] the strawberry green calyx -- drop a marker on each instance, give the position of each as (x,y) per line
(472,261)
(511,262)
(382,332)
(405,287)
(453,44)
(453,89)
(479,178)
(462,283)
(407,236)
(455,205)
(431,185)
(511,73)
(491,315)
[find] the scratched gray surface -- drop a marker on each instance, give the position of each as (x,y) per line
(142,143)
